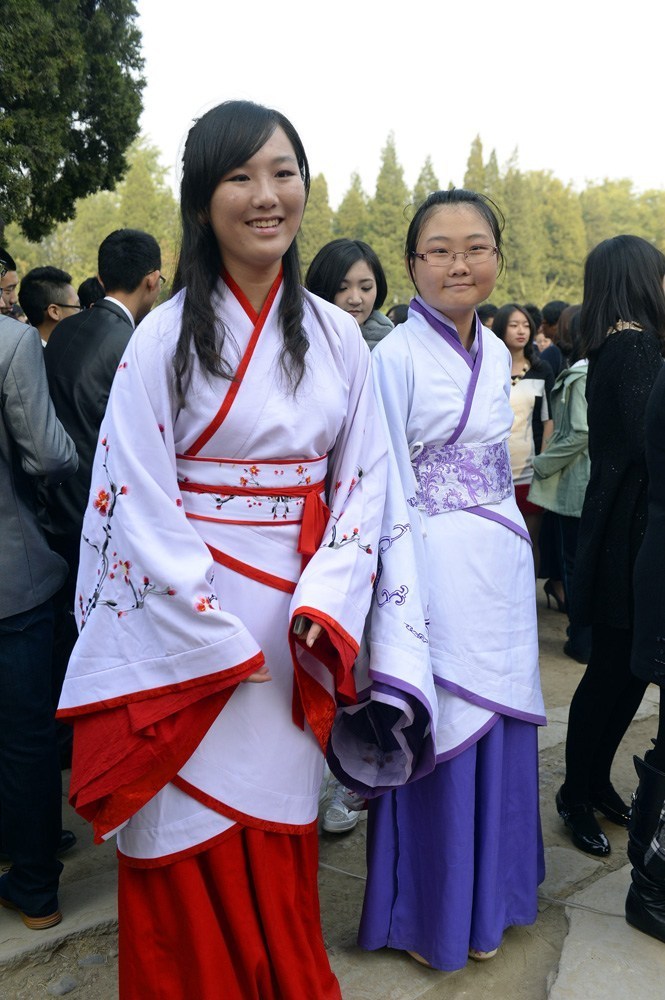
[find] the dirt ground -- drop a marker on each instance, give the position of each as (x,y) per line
(85,967)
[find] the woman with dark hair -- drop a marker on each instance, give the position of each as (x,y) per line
(348,273)
(623,333)
(229,550)
(455,856)
(531,382)
(561,474)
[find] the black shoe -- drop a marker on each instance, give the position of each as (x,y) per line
(575,654)
(583,826)
(611,805)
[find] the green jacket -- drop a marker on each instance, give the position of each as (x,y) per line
(561,471)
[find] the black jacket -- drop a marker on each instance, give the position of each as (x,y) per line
(81,357)
(649,635)
(621,377)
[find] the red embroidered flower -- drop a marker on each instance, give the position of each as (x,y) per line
(123,491)
(125,567)
(204,604)
(243,481)
(102,501)
(300,470)
(254,469)
(171,592)
(308,479)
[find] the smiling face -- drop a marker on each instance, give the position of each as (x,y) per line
(357,291)
(455,290)
(256,210)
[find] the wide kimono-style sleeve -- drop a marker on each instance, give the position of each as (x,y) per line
(335,587)
(387,738)
(157,656)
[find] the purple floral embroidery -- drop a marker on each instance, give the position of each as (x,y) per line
(456,476)
(386,542)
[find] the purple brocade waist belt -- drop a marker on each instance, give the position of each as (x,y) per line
(458,476)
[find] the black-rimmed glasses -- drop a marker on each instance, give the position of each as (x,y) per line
(444,258)
(68,305)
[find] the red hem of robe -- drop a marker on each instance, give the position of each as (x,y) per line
(124,755)
(255,822)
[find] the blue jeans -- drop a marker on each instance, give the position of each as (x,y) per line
(30,785)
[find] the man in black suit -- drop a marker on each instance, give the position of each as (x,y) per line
(81,358)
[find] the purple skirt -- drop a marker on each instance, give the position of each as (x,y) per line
(456,857)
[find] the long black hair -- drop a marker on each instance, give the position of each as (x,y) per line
(226,137)
(623,282)
(500,327)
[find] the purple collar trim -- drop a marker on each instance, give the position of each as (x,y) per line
(451,337)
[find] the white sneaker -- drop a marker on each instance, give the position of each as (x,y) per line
(338,817)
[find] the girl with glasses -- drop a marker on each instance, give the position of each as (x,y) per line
(455,856)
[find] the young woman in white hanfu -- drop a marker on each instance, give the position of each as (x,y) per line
(228,556)
(455,857)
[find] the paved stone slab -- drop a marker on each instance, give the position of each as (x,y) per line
(603,958)
(87,904)
(566,866)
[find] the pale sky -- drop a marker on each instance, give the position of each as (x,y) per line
(576,85)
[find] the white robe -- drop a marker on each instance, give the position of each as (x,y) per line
(169,616)
(456,592)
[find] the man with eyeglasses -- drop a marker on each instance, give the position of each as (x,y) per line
(82,356)
(46,296)
(8,283)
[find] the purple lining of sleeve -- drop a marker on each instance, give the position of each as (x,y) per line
(494,706)
(469,741)
(492,515)
(387,685)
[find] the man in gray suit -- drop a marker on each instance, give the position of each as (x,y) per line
(33,446)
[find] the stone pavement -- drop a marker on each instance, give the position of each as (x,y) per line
(580,948)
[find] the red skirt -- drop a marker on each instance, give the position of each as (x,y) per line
(239,921)
(523,502)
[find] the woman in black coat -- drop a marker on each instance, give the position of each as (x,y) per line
(623,331)
(645,905)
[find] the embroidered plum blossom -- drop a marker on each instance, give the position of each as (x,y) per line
(204,604)
(102,502)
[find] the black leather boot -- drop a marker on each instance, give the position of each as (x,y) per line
(645,903)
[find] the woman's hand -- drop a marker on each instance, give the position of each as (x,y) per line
(313,634)
(259,676)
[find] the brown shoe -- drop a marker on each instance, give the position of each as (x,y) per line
(34,923)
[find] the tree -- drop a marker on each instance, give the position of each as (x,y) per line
(564,246)
(427,183)
(70,104)
(316,229)
(352,217)
(523,279)
(141,201)
(609,209)
(474,178)
(388,222)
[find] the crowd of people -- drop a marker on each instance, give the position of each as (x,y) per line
(278,528)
